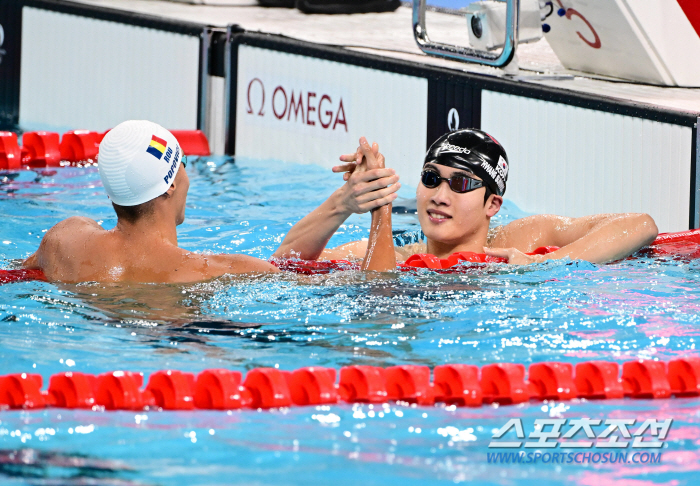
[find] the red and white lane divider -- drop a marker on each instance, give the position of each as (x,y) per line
(264,388)
(47,149)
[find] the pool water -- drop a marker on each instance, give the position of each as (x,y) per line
(565,311)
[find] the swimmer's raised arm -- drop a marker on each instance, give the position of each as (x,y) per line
(599,238)
(364,191)
(380,255)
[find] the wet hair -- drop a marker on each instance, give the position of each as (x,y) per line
(132,214)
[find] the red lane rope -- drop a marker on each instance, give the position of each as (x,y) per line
(313,267)
(21,275)
(426,260)
(264,388)
(48,149)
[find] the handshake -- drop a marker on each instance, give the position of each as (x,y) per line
(369,184)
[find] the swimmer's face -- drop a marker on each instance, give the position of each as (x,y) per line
(449,217)
(182,184)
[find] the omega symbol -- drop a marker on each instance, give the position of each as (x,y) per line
(453,120)
(250,110)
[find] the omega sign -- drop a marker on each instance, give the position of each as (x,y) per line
(309,108)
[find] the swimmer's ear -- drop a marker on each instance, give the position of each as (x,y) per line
(493,205)
(170,190)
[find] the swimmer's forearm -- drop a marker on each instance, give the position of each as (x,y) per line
(612,239)
(308,238)
(380,256)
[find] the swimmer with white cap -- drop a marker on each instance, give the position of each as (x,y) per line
(455,216)
(142,168)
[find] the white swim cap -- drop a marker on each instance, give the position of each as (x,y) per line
(138,160)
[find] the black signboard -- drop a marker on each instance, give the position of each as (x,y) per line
(452,104)
(10,52)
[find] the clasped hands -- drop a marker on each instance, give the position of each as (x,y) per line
(369,184)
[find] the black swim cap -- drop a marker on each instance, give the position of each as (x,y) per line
(474,151)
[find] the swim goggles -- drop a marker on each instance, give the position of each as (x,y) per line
(459,183)
(183,161)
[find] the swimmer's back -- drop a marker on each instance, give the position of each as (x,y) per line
(78,249)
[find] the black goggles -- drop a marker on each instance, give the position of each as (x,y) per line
(459,183)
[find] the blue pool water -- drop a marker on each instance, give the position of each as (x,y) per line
(564,311)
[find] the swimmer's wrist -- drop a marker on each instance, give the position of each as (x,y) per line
(339,204)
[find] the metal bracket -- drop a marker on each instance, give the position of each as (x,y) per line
(468,54)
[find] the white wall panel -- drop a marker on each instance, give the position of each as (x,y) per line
(574,161)
(85,73)
(388,108)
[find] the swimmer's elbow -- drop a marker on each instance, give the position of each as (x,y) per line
(647,229)
(270,268)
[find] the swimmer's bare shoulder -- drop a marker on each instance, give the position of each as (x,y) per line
(71,228)
(58,240)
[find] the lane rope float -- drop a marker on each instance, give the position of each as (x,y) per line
(48,149)
(264,388)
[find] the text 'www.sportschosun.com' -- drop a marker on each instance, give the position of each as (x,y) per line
(619,458)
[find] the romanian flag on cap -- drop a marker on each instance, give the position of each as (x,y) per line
(157,147)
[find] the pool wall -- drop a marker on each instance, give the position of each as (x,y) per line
(285,98)
(105,72)
(273,97)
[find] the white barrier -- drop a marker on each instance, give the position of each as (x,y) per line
(300,109)
(574,161)
(81,72)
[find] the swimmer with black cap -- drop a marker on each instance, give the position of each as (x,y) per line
(142,168)
(463,181)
